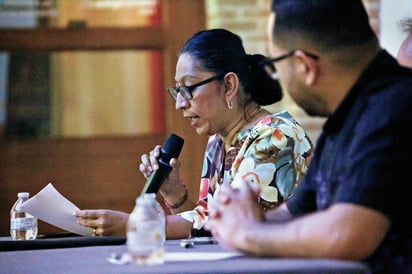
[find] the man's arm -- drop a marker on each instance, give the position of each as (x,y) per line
(344,231)
(279,214)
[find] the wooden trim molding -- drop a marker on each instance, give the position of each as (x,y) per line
(55,39)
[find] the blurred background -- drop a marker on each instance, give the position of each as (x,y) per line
(82,90)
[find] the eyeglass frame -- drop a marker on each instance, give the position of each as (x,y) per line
(270,61)
(174,91)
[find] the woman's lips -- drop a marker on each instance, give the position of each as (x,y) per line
(193,121)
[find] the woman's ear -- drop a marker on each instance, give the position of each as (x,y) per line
(231,84)
(308,67)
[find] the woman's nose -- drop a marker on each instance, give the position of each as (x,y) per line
(181,102)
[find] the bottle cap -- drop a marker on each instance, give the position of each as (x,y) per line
(149,195)
(23,195)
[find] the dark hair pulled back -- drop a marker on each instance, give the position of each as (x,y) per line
(221,51)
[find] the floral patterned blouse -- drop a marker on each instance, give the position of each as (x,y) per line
(273,154)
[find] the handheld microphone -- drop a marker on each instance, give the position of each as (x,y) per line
(170,149)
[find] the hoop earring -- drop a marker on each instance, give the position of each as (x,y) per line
(229,104)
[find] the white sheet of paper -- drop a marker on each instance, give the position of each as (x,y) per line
(51,207)
(199,256)
(125,258)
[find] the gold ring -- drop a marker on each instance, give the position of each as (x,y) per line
(94,232)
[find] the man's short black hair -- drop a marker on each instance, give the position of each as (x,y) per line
(328,23)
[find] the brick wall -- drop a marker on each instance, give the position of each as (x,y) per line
(248,18)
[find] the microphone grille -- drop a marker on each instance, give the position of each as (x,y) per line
(172,146)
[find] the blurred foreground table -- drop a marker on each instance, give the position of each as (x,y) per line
(199,259)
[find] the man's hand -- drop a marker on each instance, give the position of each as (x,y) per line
(233,212)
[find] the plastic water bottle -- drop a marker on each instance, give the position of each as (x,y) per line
(146,231)
(23,226)
(161,213)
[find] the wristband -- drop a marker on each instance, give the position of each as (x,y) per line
(178,203)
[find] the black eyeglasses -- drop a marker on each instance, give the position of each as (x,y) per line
(187,91)
(269,63)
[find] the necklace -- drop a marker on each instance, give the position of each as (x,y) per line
(241,124)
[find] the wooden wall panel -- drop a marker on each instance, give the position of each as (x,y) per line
(92,173)
(191,17)
(103,172)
